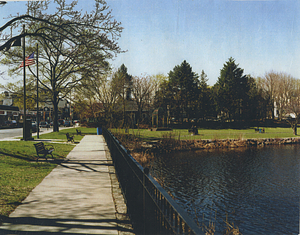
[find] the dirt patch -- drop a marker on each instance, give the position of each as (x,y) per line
(123,219)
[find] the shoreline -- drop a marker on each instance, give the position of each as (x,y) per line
(144,151)
(170,145)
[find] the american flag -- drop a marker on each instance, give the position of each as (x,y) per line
(28,61)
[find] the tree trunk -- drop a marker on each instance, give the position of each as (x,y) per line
(295,129)
(294,124)
(55,121)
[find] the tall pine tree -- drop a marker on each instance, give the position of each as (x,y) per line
(184,84)
(232,91)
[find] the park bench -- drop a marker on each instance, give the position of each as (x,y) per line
(70,138)
(43,149)
(193,130)
(78,132)
(260,130)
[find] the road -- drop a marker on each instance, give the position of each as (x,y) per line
(18,132)
(8,133)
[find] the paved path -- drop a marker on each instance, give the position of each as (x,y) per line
(75,198)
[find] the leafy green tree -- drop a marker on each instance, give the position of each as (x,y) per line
(74,45)
(17,92)
(163,96)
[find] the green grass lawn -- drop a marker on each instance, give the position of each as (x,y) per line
(183,134)
(61,135)
(20,173)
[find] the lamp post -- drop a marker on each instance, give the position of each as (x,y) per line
(3,2)
(37,91)
(24,87)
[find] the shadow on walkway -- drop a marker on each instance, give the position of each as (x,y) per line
(27,225)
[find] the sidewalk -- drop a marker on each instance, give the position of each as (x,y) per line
(75,198)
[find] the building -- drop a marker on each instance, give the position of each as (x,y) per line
(8,113)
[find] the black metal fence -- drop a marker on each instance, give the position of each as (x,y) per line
(150,207)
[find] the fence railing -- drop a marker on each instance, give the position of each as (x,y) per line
(150,207)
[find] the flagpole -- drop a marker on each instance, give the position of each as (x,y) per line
(37,91)
(24,87)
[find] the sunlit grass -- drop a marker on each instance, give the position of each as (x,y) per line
(20,173)
(61,135)
(183,134)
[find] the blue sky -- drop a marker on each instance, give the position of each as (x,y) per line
(158,35)
(260,35)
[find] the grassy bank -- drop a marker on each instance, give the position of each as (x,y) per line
(183,134)
(20,173)
(144,143)
(61,135)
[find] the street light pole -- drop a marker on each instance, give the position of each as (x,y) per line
(37,91)
(24,86)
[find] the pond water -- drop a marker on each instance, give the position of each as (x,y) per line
(257,188)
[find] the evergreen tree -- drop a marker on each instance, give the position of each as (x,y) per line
(232,91)
(183,83)
(122,84)
(205,105)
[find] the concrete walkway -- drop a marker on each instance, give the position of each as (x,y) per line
(75,198)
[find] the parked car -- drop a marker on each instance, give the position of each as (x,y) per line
(60,122)
(34,127)
(76,122)
(67,123)
(12,123)
(44,124)
(7,123)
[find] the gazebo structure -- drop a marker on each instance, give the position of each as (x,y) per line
(160,119)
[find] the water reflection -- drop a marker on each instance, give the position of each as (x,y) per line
(257,187)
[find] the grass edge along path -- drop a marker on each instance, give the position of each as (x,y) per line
(19,171)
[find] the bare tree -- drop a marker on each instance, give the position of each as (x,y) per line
(270,84)
(101,90)
(143,95)
(291,106)
(286,85)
